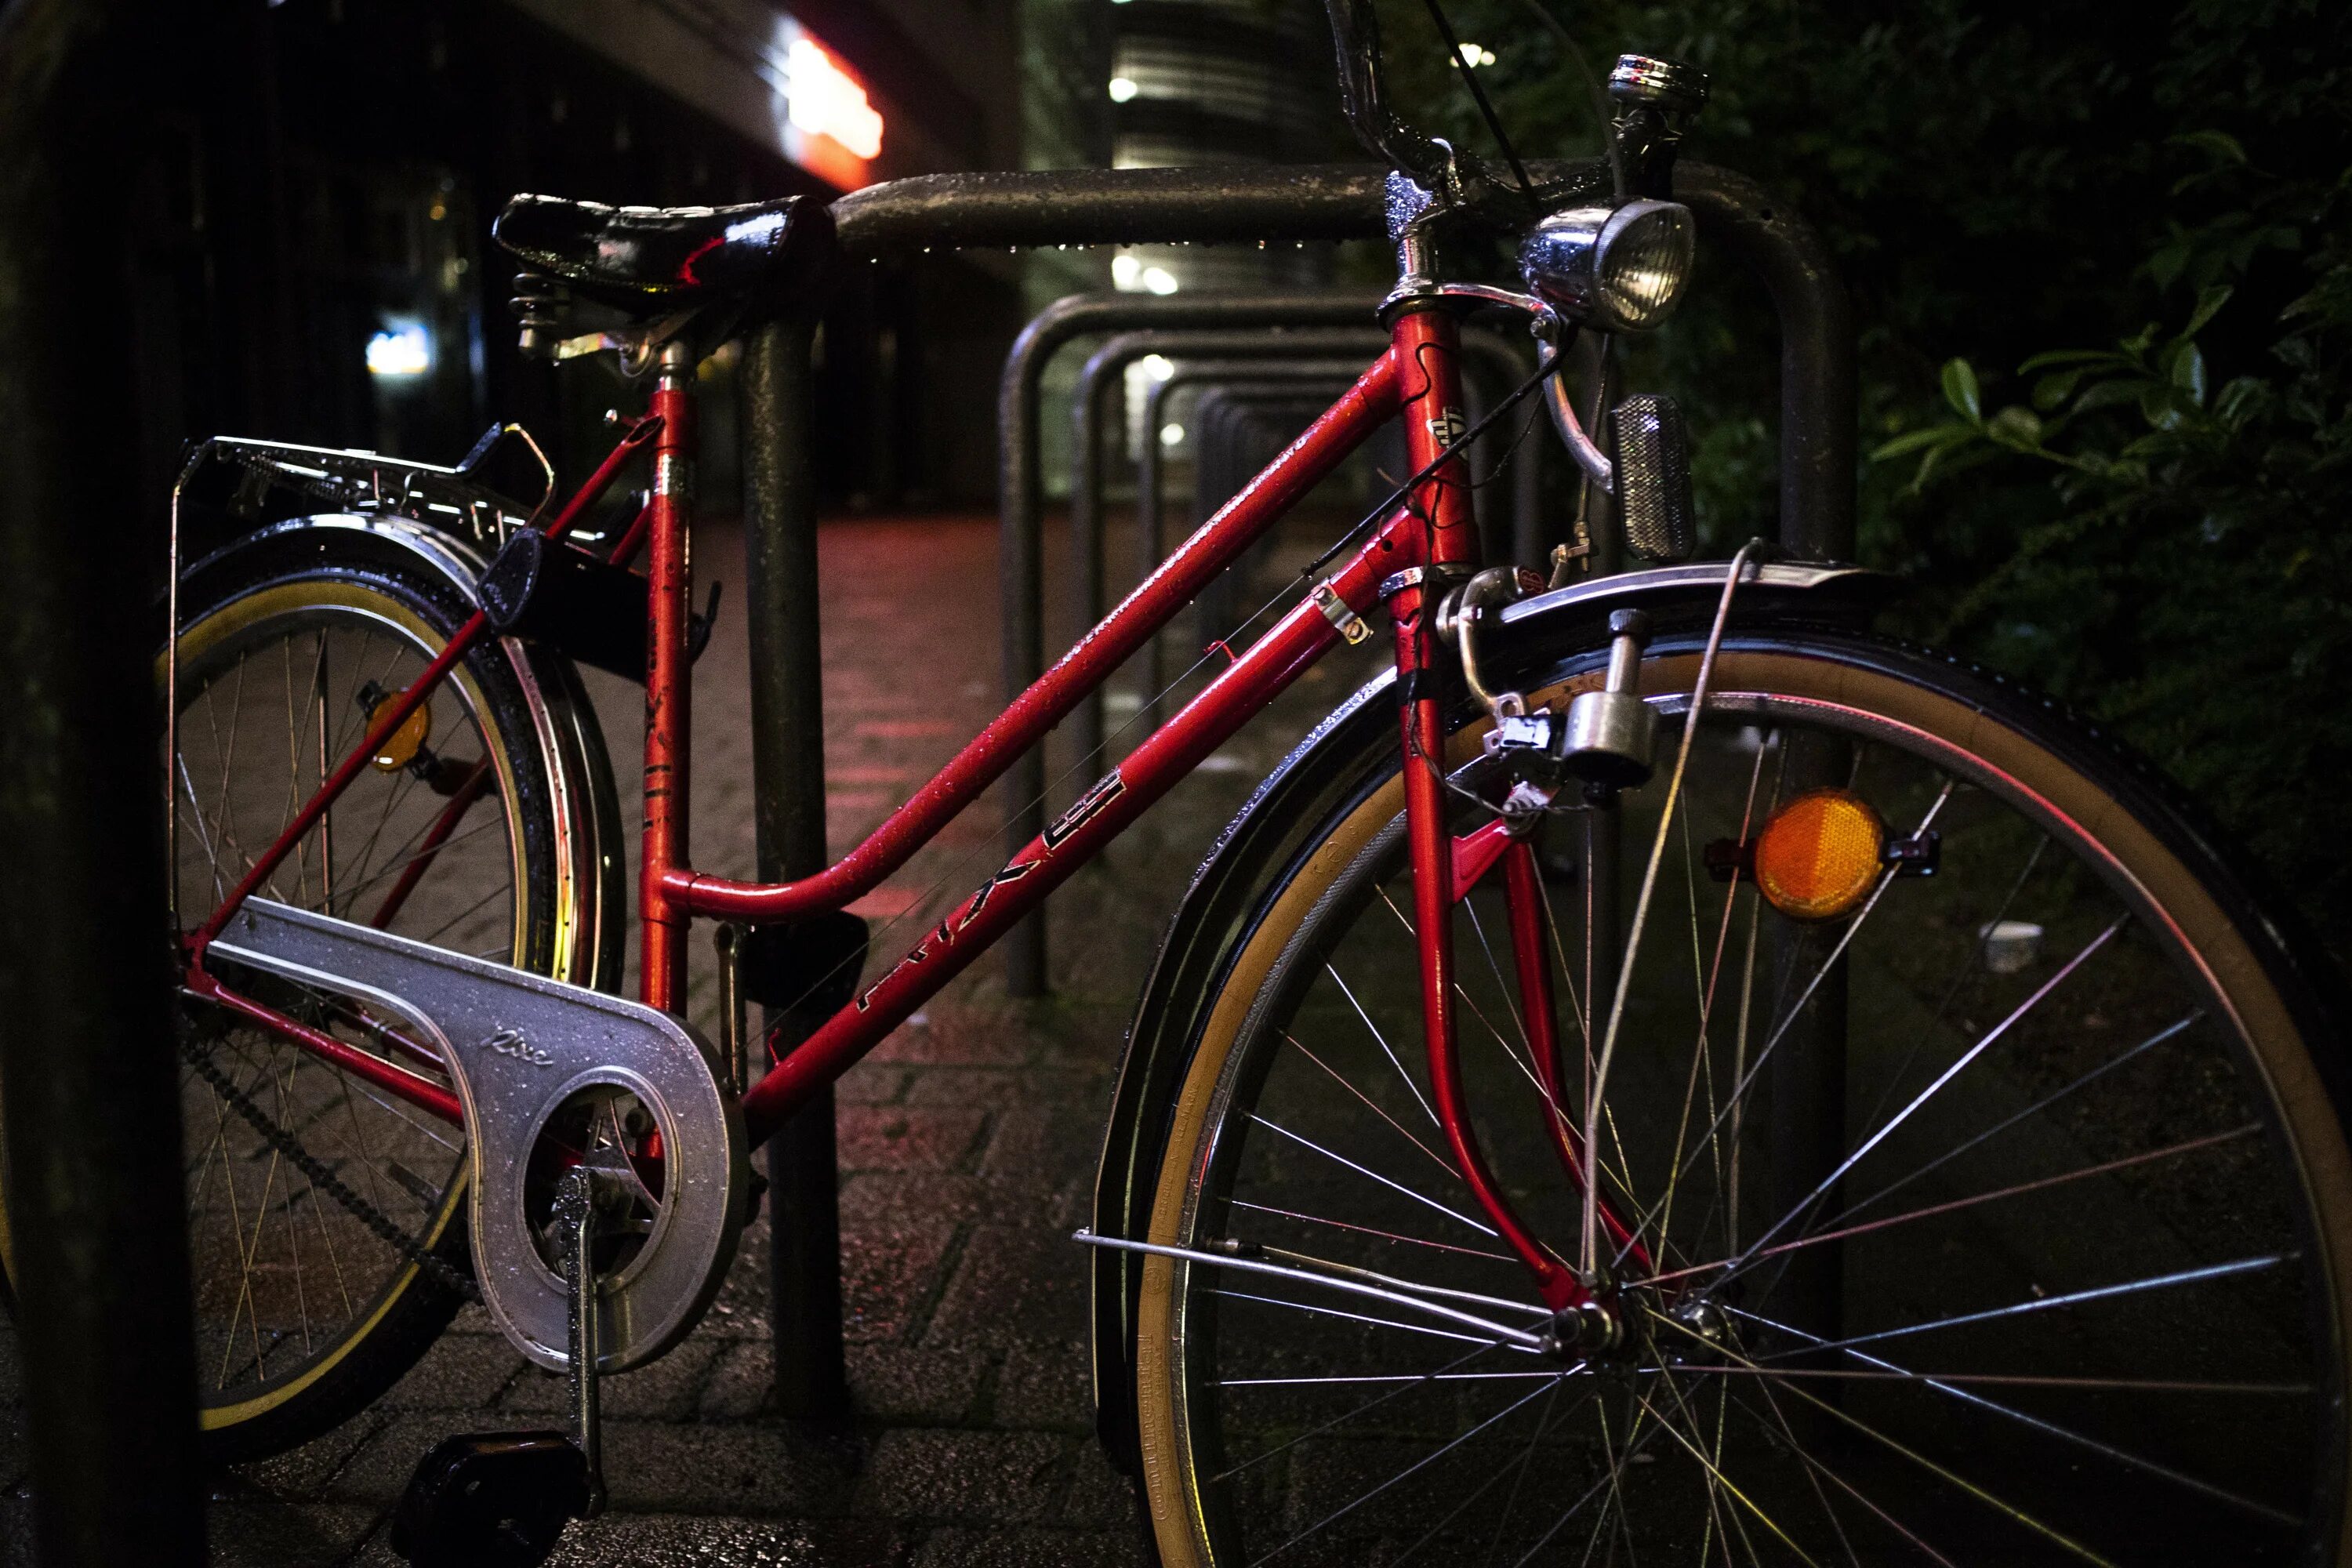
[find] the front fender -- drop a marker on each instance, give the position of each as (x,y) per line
(1348,753)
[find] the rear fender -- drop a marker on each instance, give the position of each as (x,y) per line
(563,720)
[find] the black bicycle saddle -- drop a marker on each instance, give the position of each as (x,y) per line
(649,259)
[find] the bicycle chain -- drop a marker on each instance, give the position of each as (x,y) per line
(433,1267)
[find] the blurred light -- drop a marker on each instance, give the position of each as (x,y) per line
(1160,280)
(402,349)
(1121,88)
(825,101)
(1157,367)
(2010,945)
(1171,434)
(1471,54)
(1125,271)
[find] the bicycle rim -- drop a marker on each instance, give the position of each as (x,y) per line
(2056,1280)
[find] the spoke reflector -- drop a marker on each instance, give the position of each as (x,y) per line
(1820,855)
(400,747)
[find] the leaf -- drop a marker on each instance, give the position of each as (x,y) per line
(2239,399)
(2052,391)
(2208,301)
(2219,145)
(2045,360)
(2016,427)
(2189,372)
(1962,392)
(1913,441)
(2108,393)
(2157,405)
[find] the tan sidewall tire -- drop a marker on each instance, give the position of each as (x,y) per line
(2203,930)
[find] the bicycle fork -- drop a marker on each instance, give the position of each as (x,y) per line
(1445,867)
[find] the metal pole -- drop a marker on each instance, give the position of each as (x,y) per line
(1817,350)
(99,1248)
(780,560)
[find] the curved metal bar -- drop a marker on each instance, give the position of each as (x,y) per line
(1241,202)
(1019,564)
(1101,378)
(1151,535)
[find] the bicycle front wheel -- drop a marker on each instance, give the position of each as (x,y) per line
(2005,1217)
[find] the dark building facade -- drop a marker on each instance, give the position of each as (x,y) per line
(311,257)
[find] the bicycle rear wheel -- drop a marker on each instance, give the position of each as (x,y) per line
(313,1199)
(2004,1218)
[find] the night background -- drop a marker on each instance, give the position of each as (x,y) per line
(2099,256)
(2096,251)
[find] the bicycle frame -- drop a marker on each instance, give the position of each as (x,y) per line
(1417,379)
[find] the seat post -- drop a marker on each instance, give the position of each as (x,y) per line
(668,704)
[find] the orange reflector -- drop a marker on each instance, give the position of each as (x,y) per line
(1820,855)
(400,747)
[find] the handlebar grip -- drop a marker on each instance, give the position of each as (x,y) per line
(1356,37)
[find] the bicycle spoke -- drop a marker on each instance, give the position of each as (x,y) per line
(1411,1470)
(1949,1074)
(2048,1532)
(1383,1041)
(1443,1165)
(2050,1428)
(2035,1109)
(1363,1171)
(1314,1310)
(1367,1230)
(2190,1146)
(1441,1374)
(1725,1482)
(1778,1429)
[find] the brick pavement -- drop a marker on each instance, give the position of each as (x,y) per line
(966,1143)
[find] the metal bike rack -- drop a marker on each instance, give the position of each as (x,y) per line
(779,604)
(1022,496)
(1151,537)
(1234,422)
(1224,204)
(1104,371)
(1487,353)
(1020,500)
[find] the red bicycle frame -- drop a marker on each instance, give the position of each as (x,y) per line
(1417,380)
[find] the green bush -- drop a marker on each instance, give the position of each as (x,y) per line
(2147,520)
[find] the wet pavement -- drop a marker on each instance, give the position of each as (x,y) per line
(966,1141)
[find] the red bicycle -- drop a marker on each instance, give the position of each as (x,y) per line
(1897,1134)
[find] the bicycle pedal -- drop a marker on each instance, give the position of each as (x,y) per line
(491,1499)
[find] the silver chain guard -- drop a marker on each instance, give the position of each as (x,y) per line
(518,1046)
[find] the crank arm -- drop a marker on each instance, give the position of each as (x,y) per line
(517,1047)
(1350,1281)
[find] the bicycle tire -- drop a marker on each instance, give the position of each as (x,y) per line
(384,594)
(2147,842)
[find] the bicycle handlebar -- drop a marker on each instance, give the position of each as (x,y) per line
(1356,36)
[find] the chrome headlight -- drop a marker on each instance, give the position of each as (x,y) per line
(1621,268)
